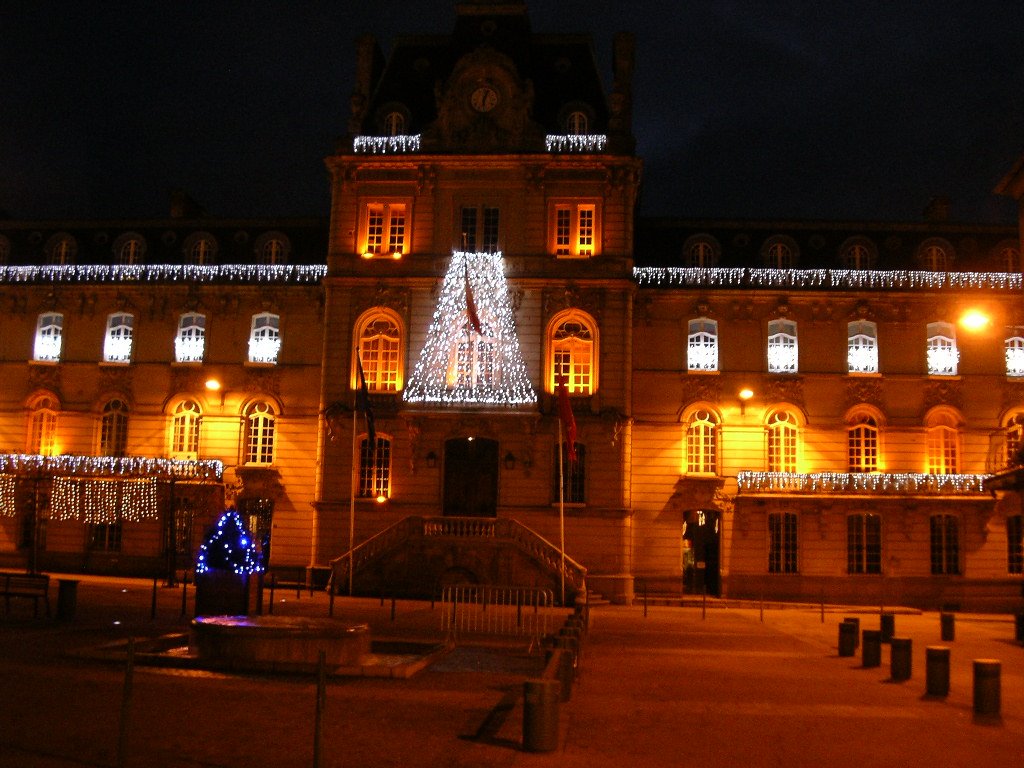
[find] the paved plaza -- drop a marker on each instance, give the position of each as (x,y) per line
(681,686)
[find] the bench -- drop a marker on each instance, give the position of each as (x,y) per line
(33,585)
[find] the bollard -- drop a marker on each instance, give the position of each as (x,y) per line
(987,686)
(152,602)
(67,599)
(566,672)
(948,626)
(899,658)
(126,705)
(871,649)
(888,626)
(856,635)
(847,638)
(936,670)
(1019,627)
(540,715)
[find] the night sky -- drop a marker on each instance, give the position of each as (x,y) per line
(802,110)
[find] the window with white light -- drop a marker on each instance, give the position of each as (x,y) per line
(260,425)
(574,355)
(782,542)
(475,357)
(575,230)
(702,443)
(862,444)
(702,345)
(380,352)
(190,343)
(862,347)
(782,346)
(385,230)
(374,468)
(114,429)
(783,435)
(185,424)
(1014,348)
(864,543)
(480,228)
(265,338)
(117,345)
(42,426)
(945,545)
(943,444)
(49,338)
(943,355)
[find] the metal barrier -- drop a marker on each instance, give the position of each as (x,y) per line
(478,609)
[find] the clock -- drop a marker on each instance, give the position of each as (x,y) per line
(484,99)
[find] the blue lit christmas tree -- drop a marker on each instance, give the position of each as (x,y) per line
(228,547)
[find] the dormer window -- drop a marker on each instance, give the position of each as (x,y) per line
(61,249)
(129,248)
(858,253)
(201,248)
(394,124)
(577,123)
(701,251)
(935,255)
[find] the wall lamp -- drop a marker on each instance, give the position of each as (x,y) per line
(431,459)
(745,394)
(510,461)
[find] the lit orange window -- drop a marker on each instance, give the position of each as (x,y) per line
(573,356)
(574,230)
(385,230)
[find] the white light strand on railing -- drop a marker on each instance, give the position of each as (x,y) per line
(8,507)
(109,466)
(852,482)
(573,142)
(385,145)
(165,273)
(740,277)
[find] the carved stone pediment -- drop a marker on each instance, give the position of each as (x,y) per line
(252,483)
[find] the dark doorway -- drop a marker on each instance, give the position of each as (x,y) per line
(701,564)
(471,477)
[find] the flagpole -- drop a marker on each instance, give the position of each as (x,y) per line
(352,502)
(561,505)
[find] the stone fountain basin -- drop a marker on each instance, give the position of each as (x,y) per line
(277,643)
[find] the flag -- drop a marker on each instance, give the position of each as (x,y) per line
(568,420)
(363,404)
(474,318)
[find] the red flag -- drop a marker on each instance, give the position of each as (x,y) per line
(474,318)
(565,414)
(363,404)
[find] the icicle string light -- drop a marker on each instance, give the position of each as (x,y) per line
(385,145)
(229,547)
(103,501)
(109,466)
(582,142)
(741,277)
(165,273)
(459,366)
(7,502)
(867,483)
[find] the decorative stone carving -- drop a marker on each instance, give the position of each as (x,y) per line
(115,379)
(384,296)
(789,389)
(863,391)
(943,393)
(573,297)
(703,388)
(1013,395)
(265,381)
(44,377)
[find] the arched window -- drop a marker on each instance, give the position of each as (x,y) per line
(780,252)
(943,439)
(260,423)
(862,347)
(394,124)
(114,429)
(702,345)
(783,442)
(273,251)
(190,343)
(202,251)
(380,352)
(130,252)
(61,249)
(117,346)
(577,123)
(857,255)
(1009,257)
(265,338)
(42,426)
(782,346)
(702,443)
(1014,348)
(862,444)
(935,255)
(185,425)
(375,468)
(1015,441)
(943,355)
(49,337)
(574,354)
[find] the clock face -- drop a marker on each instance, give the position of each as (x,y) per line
(484,99)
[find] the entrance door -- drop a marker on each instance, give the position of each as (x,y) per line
(702,536)
(471,477)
